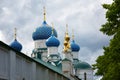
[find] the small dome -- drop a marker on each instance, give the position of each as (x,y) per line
(52,41)
(74,47)
(16,45)
(43,32)
(82,65)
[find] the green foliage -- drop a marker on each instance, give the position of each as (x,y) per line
(113,18)
(108,64)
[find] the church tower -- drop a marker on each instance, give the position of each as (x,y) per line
(67,66)
(41,34)
(74,48)
(75,52)
(52,44)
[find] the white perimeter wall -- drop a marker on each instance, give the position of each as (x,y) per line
(20,67)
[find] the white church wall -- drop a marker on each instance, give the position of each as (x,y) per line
(59,77)
(48,74)
(27,67)
(52,50)
(24,69)
(12,66)
(34,71)
(4,63)
(51,75)
(44,56)
(75,55)
(89,74)
(40,70)
(40,44)
(66,66)
(69,56)
(17,66)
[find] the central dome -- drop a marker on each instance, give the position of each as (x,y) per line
(43,32)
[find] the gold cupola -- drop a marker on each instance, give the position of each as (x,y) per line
(66,40)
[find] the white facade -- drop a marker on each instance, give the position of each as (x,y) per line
(75,55)
(52,50)
(40,44)
(17,66)
(4,63)
(66,68)
(69,56)
(44,56)
(89,74)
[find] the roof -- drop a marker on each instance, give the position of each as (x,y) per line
(82,65)
(56,69)
(65,59)
(75,47)
(52,41)
(16,45)
(43,32)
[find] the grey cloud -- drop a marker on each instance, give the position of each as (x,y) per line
(89,56)
(85,17)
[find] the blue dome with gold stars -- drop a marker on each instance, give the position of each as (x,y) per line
(43,32)
(74,47)
(16,45)
(52,41)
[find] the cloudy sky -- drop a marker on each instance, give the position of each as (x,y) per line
(84,16)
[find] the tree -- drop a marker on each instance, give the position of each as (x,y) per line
(108,64)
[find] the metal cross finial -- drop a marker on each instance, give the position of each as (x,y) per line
(72,34)
(15,33)
(52,28)
(67,28)
(44,13)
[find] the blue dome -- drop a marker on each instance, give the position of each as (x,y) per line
(74,46)
(16,45)
(43,32)
(52,41)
